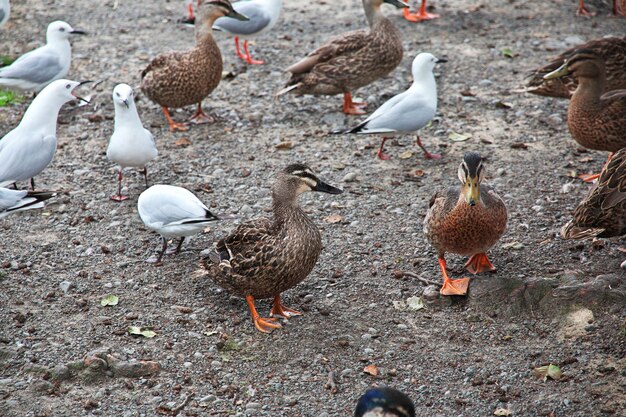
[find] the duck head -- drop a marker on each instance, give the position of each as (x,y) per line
(211,10)
(471,174)
(582,63)
(384,401)
(296,179)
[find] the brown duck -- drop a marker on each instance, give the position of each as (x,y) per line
(178,79)
(595,120)
(466,220)
(350,61)
(603,212)
(262,258)
(612,50)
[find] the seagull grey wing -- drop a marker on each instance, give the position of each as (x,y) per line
(20,161)
(9,198)
(150,135)
(2,15)
(259,19)
(406,115)
(386,106)
(36,68)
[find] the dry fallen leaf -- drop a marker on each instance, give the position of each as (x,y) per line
(333,218)
(502,412)
(513,245)
(406,155)
(548,371)
(371,369)
(184,142)
(284,145)
(459,137)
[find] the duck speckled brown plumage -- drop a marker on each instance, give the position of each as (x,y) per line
(466,220)
(603,212)
(612,50)
(178,79)
(595,120)
(350,61)
(262,258)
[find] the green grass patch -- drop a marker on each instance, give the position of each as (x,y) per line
(9,97)
(6,60)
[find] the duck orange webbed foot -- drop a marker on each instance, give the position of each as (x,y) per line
(422,14)
(589,177)
(280,310)
(263,324)
(174,126)
(452,286)
(479,263)
(350,107)
(200,117)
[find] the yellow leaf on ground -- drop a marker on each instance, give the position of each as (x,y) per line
(371,369)
(184,142)
(333,218)
(284,145)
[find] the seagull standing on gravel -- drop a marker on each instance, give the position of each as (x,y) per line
(263,15)
(29,148)
(5,11)
(12,201)
(409,111)
(38,68)
(130,145)
(172,212)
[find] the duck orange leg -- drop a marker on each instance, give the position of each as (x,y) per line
(350,107)
(280,310)
(422,14)
(479,263)
(174,126)
(582,10)
(452,286)
(593,177)
(265,325)
(200,117)
(248,57)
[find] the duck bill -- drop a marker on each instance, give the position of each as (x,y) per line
(559,72)
(238,16)
(322,187)
(398,3)
(472,191)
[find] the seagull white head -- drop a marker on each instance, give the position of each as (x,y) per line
(62,91)
(424,63)
(60,31)
(123,96)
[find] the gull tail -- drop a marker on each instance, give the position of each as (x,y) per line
(356,129)
(32,200)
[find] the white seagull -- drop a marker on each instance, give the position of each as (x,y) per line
(38,68)
(263,15)
(12,201)
(409,111)
(172,212)
(5,11)
(29,148)
(130,145)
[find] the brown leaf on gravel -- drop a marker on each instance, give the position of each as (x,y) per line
(183,309)
(284,145)
(184,142)
(371,369)
(519,145)
(502,412)
(333,218)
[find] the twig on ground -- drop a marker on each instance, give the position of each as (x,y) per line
(419,278)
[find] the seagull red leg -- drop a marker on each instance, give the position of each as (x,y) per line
(119,197)
(582,10)
(382,155)
(427,154)
(248,58)
(422,14)
(239,53)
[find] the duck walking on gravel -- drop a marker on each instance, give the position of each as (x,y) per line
(38,68)
(178,79)
(384,402)
(172,212)
(466,220)
(351,60)
(12,201)
(264,257)
(595,120)
(130,145)
(263,15)
(29,148)
(612,50)
(409,111)
(603,212)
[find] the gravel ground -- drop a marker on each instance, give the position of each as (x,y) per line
(550,301)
